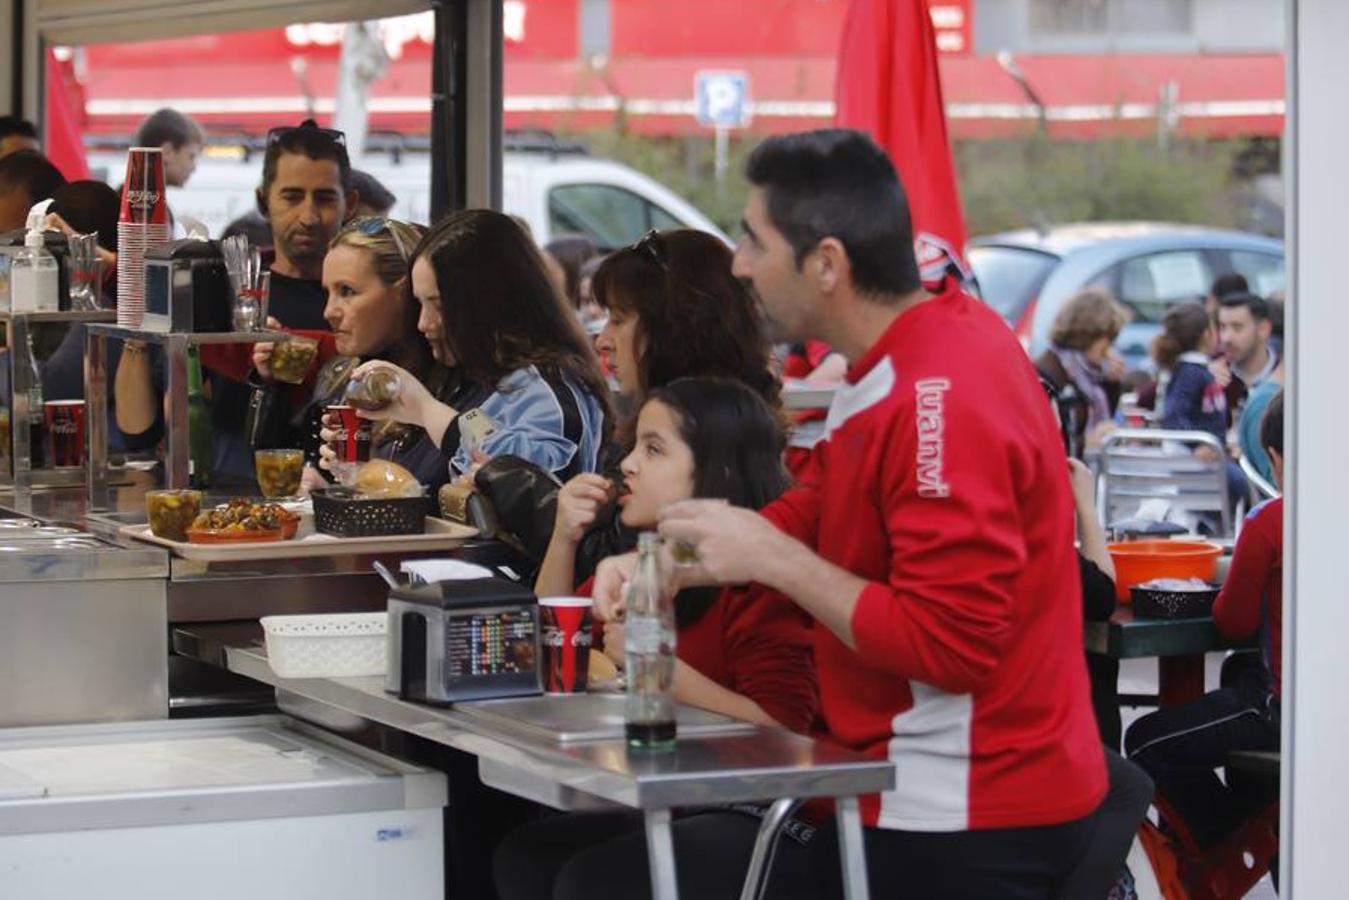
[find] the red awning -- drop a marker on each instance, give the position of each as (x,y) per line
(1084,96)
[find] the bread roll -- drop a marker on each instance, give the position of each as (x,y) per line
(601,669)
(381,478)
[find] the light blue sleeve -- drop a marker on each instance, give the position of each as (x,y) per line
(529,424)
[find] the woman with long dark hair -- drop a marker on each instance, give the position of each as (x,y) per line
(493,320)
(741,651)
(675,311)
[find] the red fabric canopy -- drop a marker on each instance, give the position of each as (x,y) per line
(888,86)
(64,141)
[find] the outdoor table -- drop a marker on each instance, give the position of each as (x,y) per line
(752,764)
(1178,644)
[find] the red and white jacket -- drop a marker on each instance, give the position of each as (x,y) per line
(943,483)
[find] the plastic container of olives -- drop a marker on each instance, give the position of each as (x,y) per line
(171,512)
(292,359)
(279,472)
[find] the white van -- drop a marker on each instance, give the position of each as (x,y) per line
(556,192)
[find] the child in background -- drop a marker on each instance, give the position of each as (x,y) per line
(1194,400)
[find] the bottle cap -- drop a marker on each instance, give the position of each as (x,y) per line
(36,217)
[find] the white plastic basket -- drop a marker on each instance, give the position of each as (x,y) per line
(326,646)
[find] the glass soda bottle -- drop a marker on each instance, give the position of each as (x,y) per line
(374,390)
(649,645)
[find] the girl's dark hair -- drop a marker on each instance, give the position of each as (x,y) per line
(499,308)
(737,443)
(1183,328)
(694,317)
(572,251)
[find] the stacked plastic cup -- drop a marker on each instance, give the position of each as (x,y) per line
(143,224)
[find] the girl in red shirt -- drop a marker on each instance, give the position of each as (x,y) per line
(744,652)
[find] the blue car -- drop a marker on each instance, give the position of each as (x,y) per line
(1028,275)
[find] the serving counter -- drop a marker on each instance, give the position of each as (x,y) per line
(85,627)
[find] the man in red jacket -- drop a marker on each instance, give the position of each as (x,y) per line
(931,538)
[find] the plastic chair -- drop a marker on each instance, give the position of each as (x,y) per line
(1138,465)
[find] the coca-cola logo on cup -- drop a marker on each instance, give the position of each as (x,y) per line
(581,638)
(553,637)
(65,426)
(143,199)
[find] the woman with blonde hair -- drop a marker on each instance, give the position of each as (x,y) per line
(1081,367)
(373,316)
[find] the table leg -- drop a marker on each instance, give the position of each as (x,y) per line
(852,852)
(660,855)
(1180,679)
(761,861)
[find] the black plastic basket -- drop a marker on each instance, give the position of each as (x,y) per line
(338,511)
(1156,603)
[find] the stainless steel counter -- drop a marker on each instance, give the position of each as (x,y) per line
(83,634)
(748,764)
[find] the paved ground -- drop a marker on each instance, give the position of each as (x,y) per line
(1139,676)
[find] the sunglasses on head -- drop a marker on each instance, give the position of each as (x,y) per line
(373,225)
(280,132)
(651,247)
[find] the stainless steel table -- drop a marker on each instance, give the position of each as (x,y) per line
(746,764)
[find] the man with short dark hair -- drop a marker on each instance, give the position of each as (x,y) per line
(306,195)
(179,140)
(17,134)
(1243,332)
(1225,284)
(26,177)
(372,197)
(931,538)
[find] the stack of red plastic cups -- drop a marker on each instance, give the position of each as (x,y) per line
(143,224)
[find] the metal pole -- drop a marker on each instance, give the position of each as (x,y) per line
(721,162)
(660,855)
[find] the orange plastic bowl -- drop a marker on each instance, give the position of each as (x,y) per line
(1140,561)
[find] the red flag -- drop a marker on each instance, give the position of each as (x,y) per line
(64,140)
(888,86)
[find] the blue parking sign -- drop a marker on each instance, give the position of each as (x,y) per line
(722,99)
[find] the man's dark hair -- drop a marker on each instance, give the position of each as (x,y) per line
(11,126)
(31,171)
(168,126)
(1257,305)
(838,183)
(306,139)
(371,193)
(1229,283)
(1271,425)
(90,206)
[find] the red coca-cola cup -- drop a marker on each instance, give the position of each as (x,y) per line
(65,433)
(352,443)
(565,624)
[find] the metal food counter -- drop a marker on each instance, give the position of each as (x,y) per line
(87,610)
